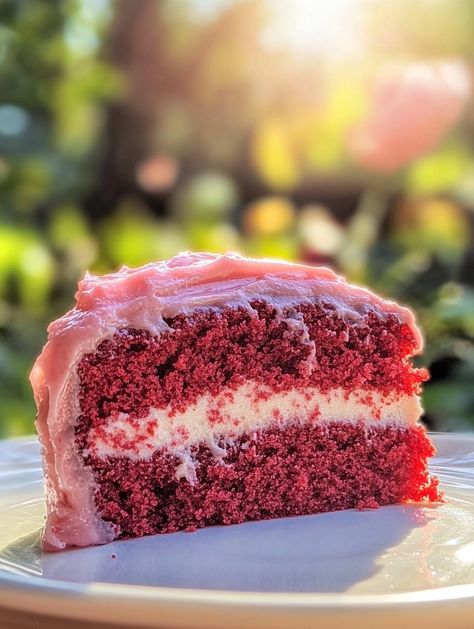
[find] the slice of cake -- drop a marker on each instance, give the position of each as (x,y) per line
(213,389)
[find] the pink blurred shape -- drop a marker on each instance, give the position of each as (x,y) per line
(412,107)
(157,173)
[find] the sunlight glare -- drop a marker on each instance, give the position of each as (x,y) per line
(465,554)
(329,28)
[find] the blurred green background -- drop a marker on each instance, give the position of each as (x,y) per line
(331,131)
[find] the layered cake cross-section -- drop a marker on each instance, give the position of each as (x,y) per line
(215,389)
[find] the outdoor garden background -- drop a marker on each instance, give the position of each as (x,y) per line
(330,131)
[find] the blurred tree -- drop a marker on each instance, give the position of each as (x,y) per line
(53,87)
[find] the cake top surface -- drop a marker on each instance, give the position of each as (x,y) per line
(144,297)
(187,270)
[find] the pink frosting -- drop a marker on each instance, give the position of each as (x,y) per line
(143,298)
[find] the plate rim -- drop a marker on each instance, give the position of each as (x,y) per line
(154,592)
(17,588)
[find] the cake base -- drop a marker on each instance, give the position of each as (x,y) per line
(297,469)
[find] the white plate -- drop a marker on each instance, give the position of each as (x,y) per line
(397,564)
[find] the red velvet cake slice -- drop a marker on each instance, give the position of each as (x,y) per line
(214,389)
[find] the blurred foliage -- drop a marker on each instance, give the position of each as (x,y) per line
(53,90)
(130,131)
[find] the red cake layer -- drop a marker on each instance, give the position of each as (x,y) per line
(299,469)
(210,349)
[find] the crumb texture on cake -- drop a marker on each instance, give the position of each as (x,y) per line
(170,385)
(278,472)
(233,371)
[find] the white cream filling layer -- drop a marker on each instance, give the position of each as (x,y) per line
(247,409)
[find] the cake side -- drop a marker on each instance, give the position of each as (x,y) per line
(297,468)
(229,369)
(145,301)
